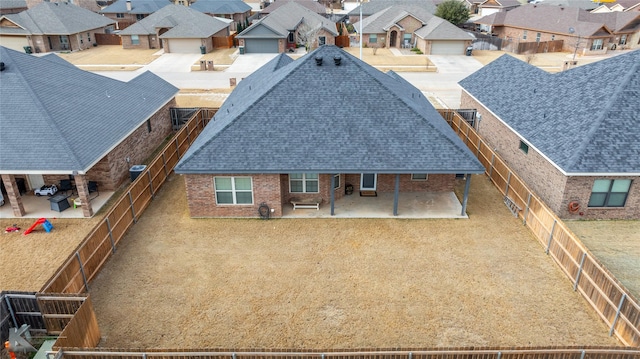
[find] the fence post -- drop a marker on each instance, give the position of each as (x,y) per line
(410,355)
(499,355)
(575,285)
(506,189)
(493,157)
(177,147)
(615,320)
(153,195)
(113,244)
(584,352)
(466,140)
(553,227)
(13,315)
(133,210)
(478,147)
(84,276)
(164,164)
(526,211)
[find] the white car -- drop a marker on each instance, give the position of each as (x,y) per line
(46,190)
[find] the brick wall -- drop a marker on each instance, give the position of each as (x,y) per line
(544,179)
(146,42)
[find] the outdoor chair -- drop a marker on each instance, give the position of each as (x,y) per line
(65,186)
(93,187)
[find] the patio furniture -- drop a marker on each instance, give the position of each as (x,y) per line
(59,202)
(65,186)
(93,187)
(306,202)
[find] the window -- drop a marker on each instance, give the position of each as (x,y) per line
(88,37)
(373,38)
(233,190)
(120,15)
(553,37)
(149,125)
(139,16)
(322,40)
(336,181)
(290,38)
(419,176)
(609,193)
(524,147)
(406,39)
(303,182)
(623,39)
(135,40)
(524,35)
(597,44)
(538,37)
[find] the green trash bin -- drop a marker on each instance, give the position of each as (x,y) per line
(241,48)
(203,50)
(28,49)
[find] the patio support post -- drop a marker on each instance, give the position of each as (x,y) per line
(13,193)
(333,190)
(83,192)
(465,198)
(396,193)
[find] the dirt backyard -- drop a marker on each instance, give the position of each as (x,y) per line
(177,282)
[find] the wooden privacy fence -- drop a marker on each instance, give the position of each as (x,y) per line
(84,264)
(18,308)
(71,318)
(610,299)
(435,353)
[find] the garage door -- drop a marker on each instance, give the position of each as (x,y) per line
(447,48)
(184,46)
(261,46)
(14,42)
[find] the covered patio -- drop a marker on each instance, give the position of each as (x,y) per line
(40,207)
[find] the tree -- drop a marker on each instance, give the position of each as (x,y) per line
(307,35)
(453,11)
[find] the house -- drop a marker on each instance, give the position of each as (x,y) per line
(235,10)
(489,7)
(49,26)
(287,27)
(12,6)
(413,27)
(367,9)
(177,29)
(91,5)
(571,136)
(312,5)
(582,32)
(127,12)
(309,129)
(59,121)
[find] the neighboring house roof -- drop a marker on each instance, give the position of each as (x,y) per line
(500,3)
(286,19)
(373,6)
(440,29)
(12,4)
(585,120)
(384,19)
(312,5)
(137,7)
(296,116)
(559,20)
(57,19)
(63,119)
(224,7)
(582,4)
(184,22)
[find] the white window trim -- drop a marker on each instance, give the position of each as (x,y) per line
(233,191)
(426,178)
(336,181)
(304,183)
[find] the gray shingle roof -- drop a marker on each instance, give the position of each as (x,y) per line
(137,7)
(293,116)
(226,7)
(287,18)
(440,29)
(13,4)
(382,20)
(64,119)
(58,19)
(184,22)
(585,119)
(309,4)
(373,6)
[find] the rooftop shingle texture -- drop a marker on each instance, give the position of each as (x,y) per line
(296,116)
(184,22)
(440,29)
(309,4)
(382,20)
(287,18)
(227,7)
(13,4)
(373,6)
(65,119)
(137,7)
(585,120)
(58,19)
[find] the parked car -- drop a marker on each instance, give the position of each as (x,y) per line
(46,190)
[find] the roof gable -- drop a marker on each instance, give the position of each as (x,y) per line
(226,7)
(384,19)
(184,22)
(294,116)
(58,19)
(75,117)
(583,125)
(373,6)
(286,18)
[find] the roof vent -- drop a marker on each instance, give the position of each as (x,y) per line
(337,60)
(318,60)
(1,66)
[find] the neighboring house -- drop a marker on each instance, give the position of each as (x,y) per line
(12,6)
(312,5)
(489,7)
(293,129)
(177,29)
(59,121)
(571,136)
(127,12)
(52,27)
(235,10)
(285,29)
(409,27)
(374,6)
(582,32)
(582,4)
(91,5)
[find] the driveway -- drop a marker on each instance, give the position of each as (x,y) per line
(250,62)
(171,63)
(455,64)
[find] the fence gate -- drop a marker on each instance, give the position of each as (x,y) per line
(485,42)
(18,308)
(180,116)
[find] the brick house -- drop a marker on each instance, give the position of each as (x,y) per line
(583,32)
(235,10)
(127,12)
(176,29)
(12,6)
(284,28)
(571,136)
(70,122)
(52,26)
(307,128)
(412,27)
(373,6)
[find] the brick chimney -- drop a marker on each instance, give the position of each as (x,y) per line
(128,5)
